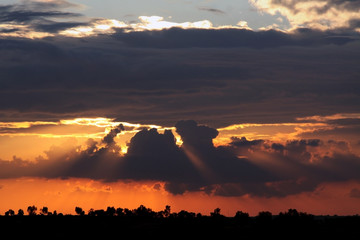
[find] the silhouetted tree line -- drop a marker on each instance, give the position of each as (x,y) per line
(263,217)
(145,222)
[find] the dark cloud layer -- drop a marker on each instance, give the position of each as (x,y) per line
(153,77)
(211,10)
(39,16)
(232,38)
(219,77)
(258,167)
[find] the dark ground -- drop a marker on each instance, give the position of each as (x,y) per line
(117,227)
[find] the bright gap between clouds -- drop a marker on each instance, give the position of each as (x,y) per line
(146,23)
(28,140)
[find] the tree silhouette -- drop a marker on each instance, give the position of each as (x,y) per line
(146,222)
(128,212)
(167,211)
(20,212)
(293,216)
(110,211)
(242,217)
(32,210)
(44,211)
(99,212)
(264,217)
(79,211)
(10,212)
(143,211)
(185,214)
(119,212)
(91,212)
(216,213)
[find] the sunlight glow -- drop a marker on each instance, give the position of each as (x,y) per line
(98,122)
(198,163)
(146,23)
(24,124)
(337,116)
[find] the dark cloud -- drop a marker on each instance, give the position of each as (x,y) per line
(196,136)
(151,156)
(146,76)
(257,168)
(30,11)
(109,138)
(23,16)
(219,77)
(243,142)
(39,16)
(230,38)
(299,165)
(212,10)
(54,27)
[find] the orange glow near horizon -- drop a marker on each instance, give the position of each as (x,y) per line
(64,195)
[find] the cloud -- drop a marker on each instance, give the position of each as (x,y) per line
(109,138)
(211,10)
(218,76)
(156,71)
(257,167)
(319,14)
(231,38)
(205,74)
(11,13)
(39,19)
(151,156)
(299,165)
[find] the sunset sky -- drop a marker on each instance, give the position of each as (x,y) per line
(243,105)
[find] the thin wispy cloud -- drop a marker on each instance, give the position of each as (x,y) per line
(212,10)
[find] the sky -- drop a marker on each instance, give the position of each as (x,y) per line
(242,105)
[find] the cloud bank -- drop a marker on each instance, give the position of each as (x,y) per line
(222,75)
(257,168)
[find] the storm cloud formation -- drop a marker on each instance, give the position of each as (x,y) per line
(258,167)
